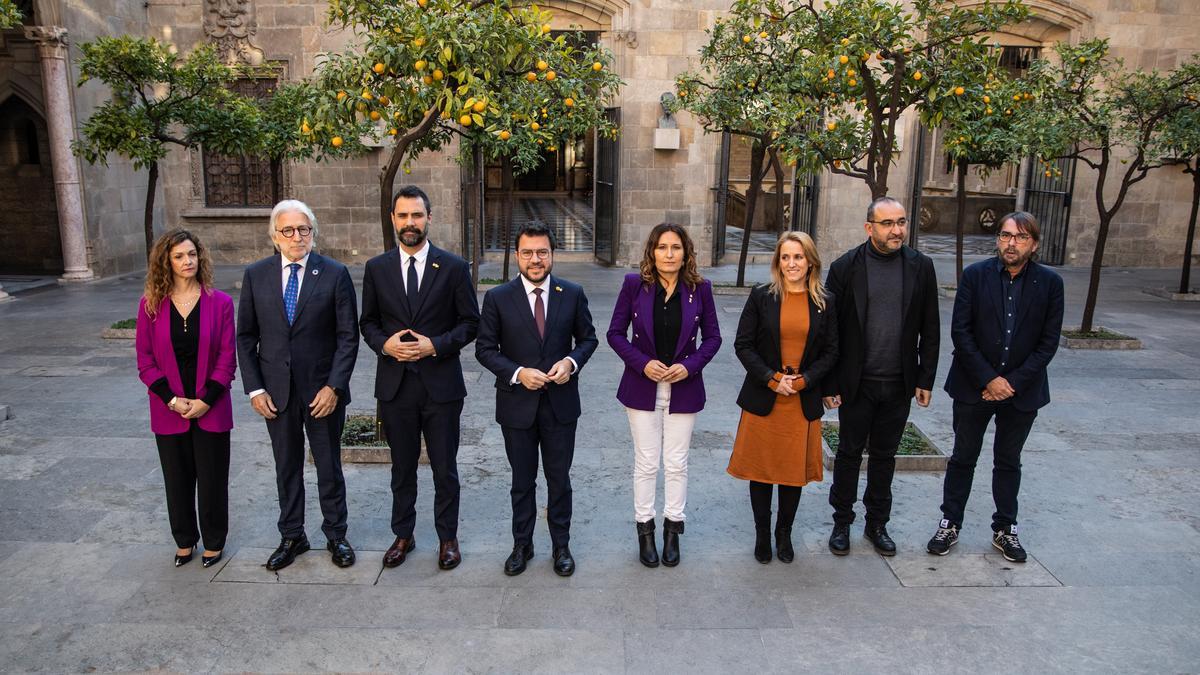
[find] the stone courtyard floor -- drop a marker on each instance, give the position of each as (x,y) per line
(1110,514)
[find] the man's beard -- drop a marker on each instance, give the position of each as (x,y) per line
(530,272)
(1018,261)
(411,236)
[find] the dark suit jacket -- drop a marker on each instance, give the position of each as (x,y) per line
(919,335)
(635,307)
(758,348)
(977,329)
(446,312)
(508,339)
(320,346)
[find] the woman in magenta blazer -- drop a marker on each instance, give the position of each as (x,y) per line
(669,305)
(186,357)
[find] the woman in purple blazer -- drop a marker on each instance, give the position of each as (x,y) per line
(186,357)
(667,303)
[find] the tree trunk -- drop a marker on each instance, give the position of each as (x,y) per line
(958,221)
(276,179)
(757,154)
(148,220)
(506,184)
(777,166)
(387,175)
(1089,305)
(1185,278)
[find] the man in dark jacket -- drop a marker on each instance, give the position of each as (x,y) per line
(1008,314)
(418,313)
(888,333)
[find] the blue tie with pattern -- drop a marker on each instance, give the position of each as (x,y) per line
(290,293)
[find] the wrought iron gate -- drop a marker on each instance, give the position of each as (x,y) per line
(1048,198)
(471,200)
(805,187)
(608,230)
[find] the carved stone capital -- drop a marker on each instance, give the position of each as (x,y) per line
(51,40)
(230,24)
(627,36)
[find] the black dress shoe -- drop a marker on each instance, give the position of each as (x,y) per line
(343,553)
(564,564)
(209,561)
(517,559)
(647,547)
(448,554)
(286,553)
(878,536)
(783,545)
(671,531)
(181,560)
(839,540)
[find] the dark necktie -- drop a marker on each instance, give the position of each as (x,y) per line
(291,292)
(411,285)
(539,313)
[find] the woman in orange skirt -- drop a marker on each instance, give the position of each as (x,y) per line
(787,341)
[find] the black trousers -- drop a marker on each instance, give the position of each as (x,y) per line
(873,421)
(760,503)
(195,467)
(287,432)
(557,442)
(406,418)
(970,423)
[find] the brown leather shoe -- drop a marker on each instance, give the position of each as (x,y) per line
(448,555)
(398,551)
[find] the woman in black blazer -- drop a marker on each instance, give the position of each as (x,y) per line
(787,341)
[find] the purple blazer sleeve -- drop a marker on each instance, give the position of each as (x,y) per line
(226,363)
(710,332)
(618,328)
(148,369)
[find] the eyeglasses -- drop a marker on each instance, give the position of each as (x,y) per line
(902,222)
(290,232)
(1022,237)
(528,254)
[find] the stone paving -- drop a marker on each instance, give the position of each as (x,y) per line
(1109,515)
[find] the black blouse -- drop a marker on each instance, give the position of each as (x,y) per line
(185,342)
(668,320)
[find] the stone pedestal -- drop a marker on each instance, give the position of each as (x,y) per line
(56,85)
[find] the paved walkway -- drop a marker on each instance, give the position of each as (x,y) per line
(1109,514)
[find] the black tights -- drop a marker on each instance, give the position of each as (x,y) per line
(760,501)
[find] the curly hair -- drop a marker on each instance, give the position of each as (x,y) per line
(688,274)
(160,278)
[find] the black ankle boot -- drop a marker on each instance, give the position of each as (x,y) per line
(647,548)
(783,544)
(671,531)
(762,545)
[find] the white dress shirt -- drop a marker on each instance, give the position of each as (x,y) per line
(421,256)
(532,298)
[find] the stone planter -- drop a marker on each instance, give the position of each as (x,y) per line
(1099,343)
(935,462)
(733,290)
(5,413)
(119,333)
(372,454)
(947,291)
(1169,294)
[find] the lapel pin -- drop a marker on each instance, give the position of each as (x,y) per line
(315,271)
(558,288)
(436,266)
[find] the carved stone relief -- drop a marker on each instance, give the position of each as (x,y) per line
(232,26)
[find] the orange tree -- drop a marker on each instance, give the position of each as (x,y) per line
(422,73)
(869,61)
(1181,141)
(743,88)
(1095,111)
(983,123)
(10,16)
(159,100)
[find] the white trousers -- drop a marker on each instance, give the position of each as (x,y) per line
(659,435)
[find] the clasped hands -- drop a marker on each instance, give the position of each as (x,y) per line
(534,379)
(408,350)
(658,371)
(998,390)
(322,404)
(787,385)
(188,408)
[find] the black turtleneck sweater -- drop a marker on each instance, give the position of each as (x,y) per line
(885,311)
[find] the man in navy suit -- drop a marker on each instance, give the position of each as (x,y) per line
(535,334)
(419,311)
(1008,314)
(296,342)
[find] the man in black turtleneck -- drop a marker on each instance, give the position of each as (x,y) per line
(888,332)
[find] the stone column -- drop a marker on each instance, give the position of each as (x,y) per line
(56,87)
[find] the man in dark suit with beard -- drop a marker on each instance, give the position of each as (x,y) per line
(419,311)
(535,334)
(297,343)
